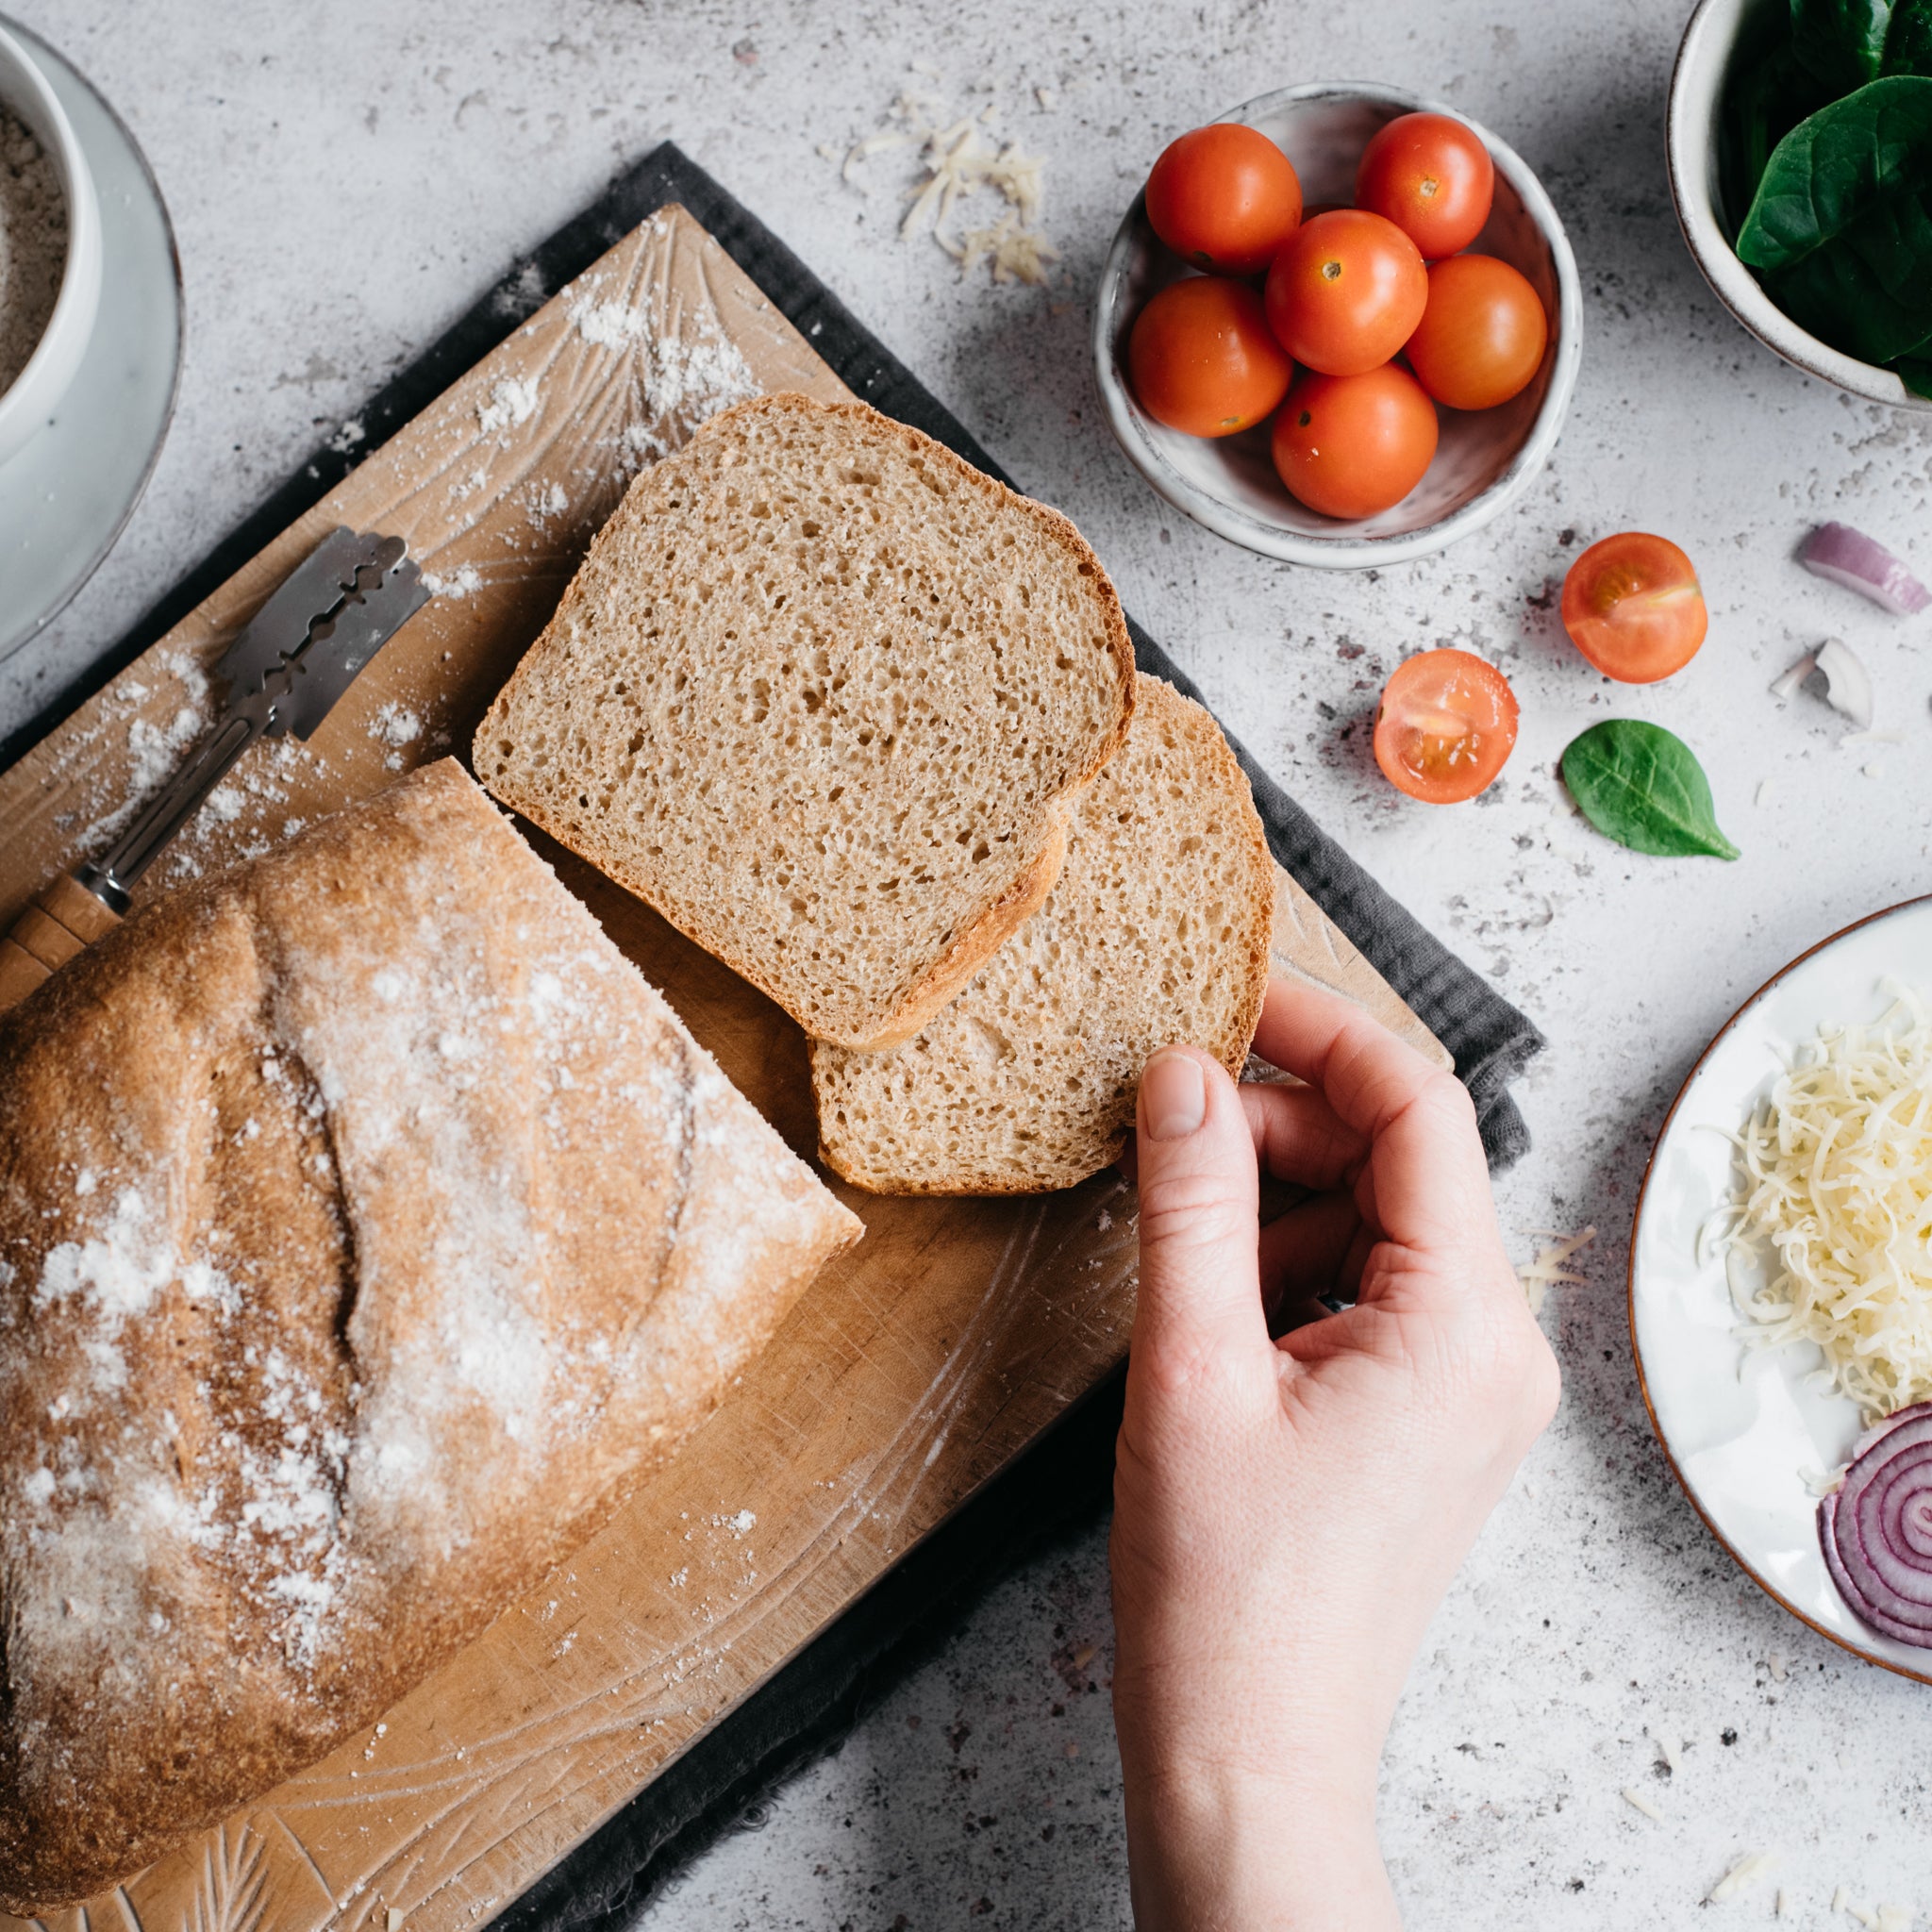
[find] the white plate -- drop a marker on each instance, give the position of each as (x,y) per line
(1737,1422)
(68,492)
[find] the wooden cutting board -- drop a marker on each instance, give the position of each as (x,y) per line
(912,1370)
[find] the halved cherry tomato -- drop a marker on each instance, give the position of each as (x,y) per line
(1353,445)
(1202,357)
(1445,727)
(1225,197)
(1432,177)
(1633,607)
(1482,336)
(1346,291)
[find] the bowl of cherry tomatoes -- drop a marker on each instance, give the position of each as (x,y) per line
(1339,326)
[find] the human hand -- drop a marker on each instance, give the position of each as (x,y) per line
(1287,1514)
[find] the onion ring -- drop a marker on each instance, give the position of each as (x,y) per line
(1875,1527)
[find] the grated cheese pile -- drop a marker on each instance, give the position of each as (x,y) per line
(1838,1184)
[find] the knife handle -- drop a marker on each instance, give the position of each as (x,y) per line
(63,919)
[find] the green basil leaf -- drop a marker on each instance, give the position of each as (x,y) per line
(1643,786)
(1909,45)
(1840,41)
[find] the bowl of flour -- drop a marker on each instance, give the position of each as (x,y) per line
(50,249)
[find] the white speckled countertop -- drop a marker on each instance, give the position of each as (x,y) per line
(343,188)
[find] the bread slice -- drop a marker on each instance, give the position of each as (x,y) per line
(821,693)
(369,1229)
(1157,930)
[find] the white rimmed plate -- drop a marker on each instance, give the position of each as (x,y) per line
(1742,1425)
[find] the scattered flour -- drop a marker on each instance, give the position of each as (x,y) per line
(464,581)
(687,370)
(395,724)
(513,401)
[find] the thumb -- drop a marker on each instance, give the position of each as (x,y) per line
(1200,1295)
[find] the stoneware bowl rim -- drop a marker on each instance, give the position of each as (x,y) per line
(1703,58)
(42,380)
(1345,550)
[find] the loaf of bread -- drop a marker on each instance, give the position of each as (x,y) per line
(823,694)
(1157,930)
(369,1229)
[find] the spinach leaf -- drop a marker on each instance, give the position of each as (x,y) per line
(1909,45)
(1915,372)
(1768,97)
(1641,785)
(1841,227)
(1840,41)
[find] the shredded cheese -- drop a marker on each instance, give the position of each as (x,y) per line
(1838,1186)
(1548,1271)
(958,161)
(1746,1871)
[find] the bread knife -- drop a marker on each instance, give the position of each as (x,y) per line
(284,673)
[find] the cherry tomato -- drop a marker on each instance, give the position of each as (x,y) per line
(1203,360)
(1354,445)
(1633,607)
(1481,337)
(1445,727)
(1346,291)
(1432,177)
(1225,197)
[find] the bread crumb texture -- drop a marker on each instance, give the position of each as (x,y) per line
(1156,931)
(820,694)
(367,1229)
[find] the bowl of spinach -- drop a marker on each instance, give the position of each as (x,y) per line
(1800,146)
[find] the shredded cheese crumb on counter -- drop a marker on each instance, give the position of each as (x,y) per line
(1837,1187)
(1746,1871)
(1548,1270)
(1636,1798)
(958,160)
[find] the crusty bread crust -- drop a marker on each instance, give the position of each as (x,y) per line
(369,1229)
(1067,1142)
(911,988)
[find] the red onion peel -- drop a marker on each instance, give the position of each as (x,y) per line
(1848,556)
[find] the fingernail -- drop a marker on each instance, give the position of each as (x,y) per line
(1174,1096)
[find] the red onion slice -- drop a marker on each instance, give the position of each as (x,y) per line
(1848,556)
(1875,1528)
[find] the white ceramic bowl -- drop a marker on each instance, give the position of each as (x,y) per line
(36,391)
(1486,459)
(1697,89)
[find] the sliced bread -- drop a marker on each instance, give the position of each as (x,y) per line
(821,693)
(1157,930)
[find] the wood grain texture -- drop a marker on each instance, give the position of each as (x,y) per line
(913,1369)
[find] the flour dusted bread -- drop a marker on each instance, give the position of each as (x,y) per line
(823,694)
(1157,930)
(369,1228)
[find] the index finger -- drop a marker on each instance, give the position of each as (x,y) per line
(1427,1159)
(1367,1075)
